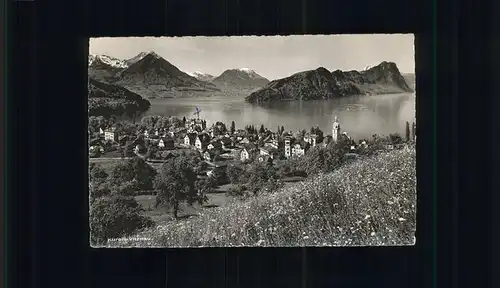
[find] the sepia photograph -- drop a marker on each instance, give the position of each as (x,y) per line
(252,141)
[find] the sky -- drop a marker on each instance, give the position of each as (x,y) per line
(272,57)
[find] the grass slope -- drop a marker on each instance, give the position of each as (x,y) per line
(369,202)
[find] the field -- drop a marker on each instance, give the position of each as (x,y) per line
(164,214)
(369,202)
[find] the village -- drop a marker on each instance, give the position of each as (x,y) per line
(217,144)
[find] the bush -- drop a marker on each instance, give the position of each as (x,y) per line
(126,188)
(201,167)
(115,217)
(98,190)
(220,176)
(236,174)
(239,191)
(290,168)
(135,169)
(261,175)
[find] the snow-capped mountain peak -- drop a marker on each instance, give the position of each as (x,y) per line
(196,74)
(247,70)
(140,56)
(201,76)
(151,52)
(111,61)
(251,73)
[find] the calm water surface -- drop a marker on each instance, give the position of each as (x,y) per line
(360,116)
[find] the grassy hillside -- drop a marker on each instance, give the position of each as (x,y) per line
(369,202)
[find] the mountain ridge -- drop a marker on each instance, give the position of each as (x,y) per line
(320,83)
(108,100)
(240,78)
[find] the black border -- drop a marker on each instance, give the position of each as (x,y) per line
(48,79)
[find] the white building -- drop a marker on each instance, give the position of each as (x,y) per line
(110,134)
(288,150)
(300,149)
(190,139)
(244,155)
(311,139)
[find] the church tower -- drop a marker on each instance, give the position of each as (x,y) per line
(335,130)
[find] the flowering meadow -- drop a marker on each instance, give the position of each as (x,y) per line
(369,202)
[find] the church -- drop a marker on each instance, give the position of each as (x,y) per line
(335,129)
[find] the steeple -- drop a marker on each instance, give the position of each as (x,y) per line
(335,129)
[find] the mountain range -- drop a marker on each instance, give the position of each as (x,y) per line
(151,76)
(147,74)
(320,83)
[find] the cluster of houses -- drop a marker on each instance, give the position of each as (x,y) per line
(211,143)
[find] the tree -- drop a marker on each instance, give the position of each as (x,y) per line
(414,130)
(220,176)
(184,120)
(262,130)
(114,217)
(96,122)
(98,190)
(176,183)
(233,127)
(126,189)
(260,175)
(131,110)
(149,122)
(204,187)
(121,172)
(235,173)
(200,167)
(407,134)
(143,173)
(126,128)
(163,123)
(395,138)
(374,145)
(282,129)
(321,135)
(314,161)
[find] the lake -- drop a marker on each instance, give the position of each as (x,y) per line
(360,116)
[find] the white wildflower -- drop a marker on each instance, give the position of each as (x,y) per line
(401,219)
(372,234)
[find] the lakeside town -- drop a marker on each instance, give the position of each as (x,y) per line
(218,144)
